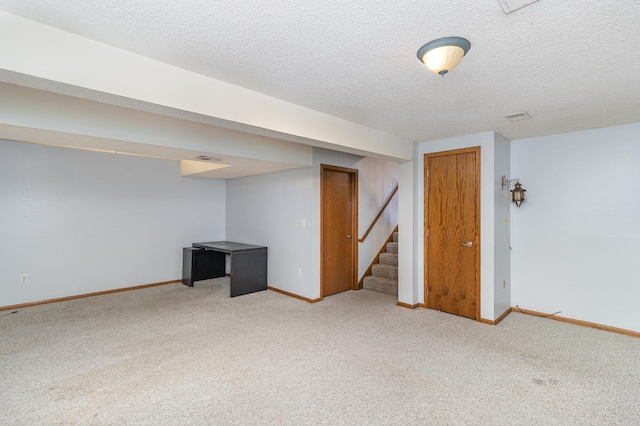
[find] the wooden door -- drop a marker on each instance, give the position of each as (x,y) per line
(338,243)
(452,214)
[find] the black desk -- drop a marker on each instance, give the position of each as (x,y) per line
(207,260)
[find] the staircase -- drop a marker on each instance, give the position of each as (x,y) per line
(384,275)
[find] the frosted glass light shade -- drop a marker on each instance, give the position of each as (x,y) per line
(443,59)
(444,54)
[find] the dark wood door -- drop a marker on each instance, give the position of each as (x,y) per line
(452,263)
(338,244)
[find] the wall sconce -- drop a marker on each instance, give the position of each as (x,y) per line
(517,193)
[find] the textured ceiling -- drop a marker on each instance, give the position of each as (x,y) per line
(572,65)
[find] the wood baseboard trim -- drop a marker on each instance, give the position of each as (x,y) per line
(503,316)
(497,320)
(82,296)
(295,296)
(578,322)
(408,306)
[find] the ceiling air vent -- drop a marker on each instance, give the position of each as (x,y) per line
(518,116)
(509,6)
(207,158)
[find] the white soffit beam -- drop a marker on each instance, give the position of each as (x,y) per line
(38,109)
(239,166)
(189,168)
(34,49)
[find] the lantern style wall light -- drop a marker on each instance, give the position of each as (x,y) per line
(517,193)
(444,54)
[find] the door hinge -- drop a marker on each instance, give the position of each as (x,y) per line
(427,172)
(427,232)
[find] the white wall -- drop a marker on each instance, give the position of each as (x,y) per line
(268,210)
(502,207)
(488,178)
(576,240)
(407,242)
(376,180)
(80,222)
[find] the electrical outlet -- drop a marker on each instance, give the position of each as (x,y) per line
(299,272)
(24,278)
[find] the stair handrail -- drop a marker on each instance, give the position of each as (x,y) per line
(384,206)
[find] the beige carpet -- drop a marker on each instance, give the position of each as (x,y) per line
(175,355)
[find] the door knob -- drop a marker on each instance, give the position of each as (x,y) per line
(348,236)
(467,244)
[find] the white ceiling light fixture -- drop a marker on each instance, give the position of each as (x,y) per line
(444,54)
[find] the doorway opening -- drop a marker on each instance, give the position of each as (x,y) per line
(452,231)
(338,229)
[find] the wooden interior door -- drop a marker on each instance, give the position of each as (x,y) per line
(338,264)
(452,214)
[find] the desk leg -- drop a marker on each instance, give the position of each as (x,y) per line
(198,264)
(187,266)
(248,272)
